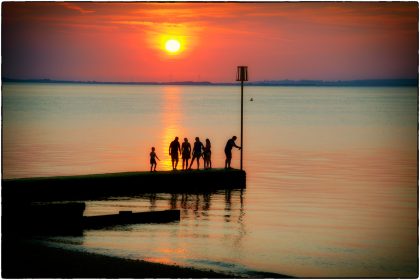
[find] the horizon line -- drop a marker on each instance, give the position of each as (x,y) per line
(268,82)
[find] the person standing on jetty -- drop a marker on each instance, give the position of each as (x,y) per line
(186,153)
(153,157)
(228,150)
(207,154)
(197,152)
(174,147)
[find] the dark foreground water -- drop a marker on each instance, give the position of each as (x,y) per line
(331,172)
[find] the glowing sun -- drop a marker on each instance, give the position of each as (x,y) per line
(172,46)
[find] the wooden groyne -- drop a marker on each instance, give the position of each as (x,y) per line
(98,186)
(129,217)
(68,219)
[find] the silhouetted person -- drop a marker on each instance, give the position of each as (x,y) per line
(228,151)
(197,152)
(174,148)
(207,154)
(153,158)
(186,153)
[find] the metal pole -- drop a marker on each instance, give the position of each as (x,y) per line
(242,119)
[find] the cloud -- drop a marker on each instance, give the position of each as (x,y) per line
(74,7)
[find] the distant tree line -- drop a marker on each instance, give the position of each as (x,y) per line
(349,83)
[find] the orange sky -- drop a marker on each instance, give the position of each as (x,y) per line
(123,41)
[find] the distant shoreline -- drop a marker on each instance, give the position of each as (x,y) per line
(304,83)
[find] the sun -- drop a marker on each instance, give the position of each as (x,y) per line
(172,46)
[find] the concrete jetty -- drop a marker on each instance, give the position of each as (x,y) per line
(97,186)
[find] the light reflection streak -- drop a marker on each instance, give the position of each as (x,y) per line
(173,251)
(171,118)
(160,260)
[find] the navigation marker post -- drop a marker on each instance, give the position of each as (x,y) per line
(242,75)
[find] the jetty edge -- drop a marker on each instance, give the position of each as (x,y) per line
(96,186)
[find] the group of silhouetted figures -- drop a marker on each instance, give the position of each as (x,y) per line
(199,150)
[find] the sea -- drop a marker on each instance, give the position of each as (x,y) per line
(332,172)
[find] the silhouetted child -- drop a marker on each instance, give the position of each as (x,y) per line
(153,158)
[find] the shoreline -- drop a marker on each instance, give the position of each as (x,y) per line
(26,258)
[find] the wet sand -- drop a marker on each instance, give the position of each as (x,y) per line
(29,259)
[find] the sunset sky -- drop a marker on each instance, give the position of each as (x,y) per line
(126,41)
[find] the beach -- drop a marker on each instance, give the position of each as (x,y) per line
(26,258)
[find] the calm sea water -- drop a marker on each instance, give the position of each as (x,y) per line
(331,172)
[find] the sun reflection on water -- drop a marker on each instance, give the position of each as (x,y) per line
(160,260)
(171,118)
